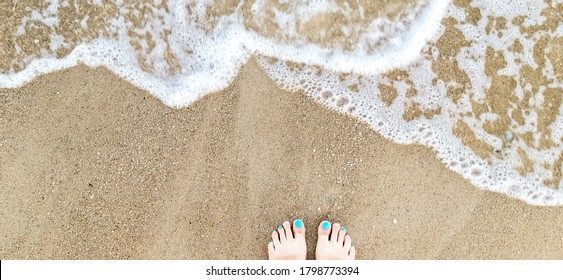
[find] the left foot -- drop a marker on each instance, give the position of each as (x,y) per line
(288,243)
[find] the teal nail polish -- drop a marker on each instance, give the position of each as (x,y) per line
(298,223)
(325,225)
(280,227)
(342,228)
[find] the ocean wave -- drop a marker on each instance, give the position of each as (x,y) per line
(478,81)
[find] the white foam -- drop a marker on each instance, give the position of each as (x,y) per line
(210,53)
(218,56)
(401,51)
(500,175)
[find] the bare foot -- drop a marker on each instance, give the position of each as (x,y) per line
(333,243)
(288,244)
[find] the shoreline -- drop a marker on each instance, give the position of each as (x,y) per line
(95,168)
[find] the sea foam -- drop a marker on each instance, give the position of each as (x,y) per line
(478,81)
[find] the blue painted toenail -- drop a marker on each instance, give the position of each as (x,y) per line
(298,223)
(280,227)
(343,229)
(325,225)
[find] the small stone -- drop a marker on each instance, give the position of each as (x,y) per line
(395,221)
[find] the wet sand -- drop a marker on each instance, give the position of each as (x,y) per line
(92,167)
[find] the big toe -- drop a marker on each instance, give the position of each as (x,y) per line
(324,230)
(298,229)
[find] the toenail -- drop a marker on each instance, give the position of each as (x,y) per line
(325,225)
(342,228)
(280,227)
(298,223)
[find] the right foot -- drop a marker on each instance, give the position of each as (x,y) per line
(333,243)
(288,243)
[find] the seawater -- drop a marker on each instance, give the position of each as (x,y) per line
(478,81)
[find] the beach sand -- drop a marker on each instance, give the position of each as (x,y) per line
(92,167)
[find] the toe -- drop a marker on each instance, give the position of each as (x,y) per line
(281,232)
(298,228)
(324,230)
(352,253)
(341,234)
(271,248)
(347,243)
(287,229)
(335,231)
(275,239)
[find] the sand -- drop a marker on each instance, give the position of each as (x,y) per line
(92,167)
